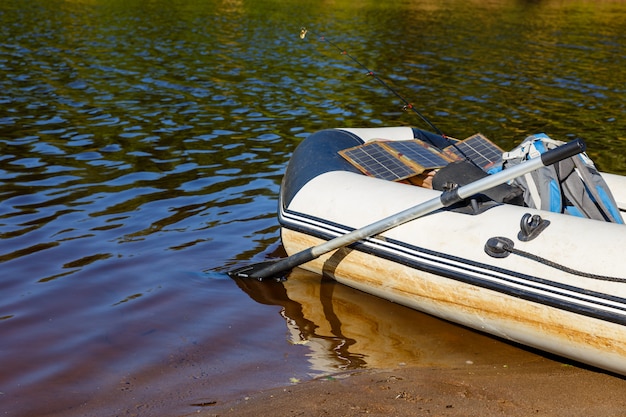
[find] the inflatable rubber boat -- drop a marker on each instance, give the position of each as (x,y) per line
(547,280)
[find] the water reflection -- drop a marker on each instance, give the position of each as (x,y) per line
(343,329)
(314,324)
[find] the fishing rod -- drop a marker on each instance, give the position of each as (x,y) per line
(407,105)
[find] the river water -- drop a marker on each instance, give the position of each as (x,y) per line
(142,147)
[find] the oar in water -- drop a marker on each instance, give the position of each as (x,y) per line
(277,268)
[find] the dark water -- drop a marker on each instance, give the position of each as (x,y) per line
(142,145)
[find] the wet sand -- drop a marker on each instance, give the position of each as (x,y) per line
(548,389)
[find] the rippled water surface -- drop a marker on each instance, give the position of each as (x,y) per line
(142,146)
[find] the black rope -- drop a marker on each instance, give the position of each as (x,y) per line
(563,268)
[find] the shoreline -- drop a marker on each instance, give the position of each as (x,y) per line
(556,390)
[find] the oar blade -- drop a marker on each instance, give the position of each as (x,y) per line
(252,271)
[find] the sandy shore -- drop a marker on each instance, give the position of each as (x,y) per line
(555,390)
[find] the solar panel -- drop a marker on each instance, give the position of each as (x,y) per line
(398,160)
(420,153)
(395,160)
(477,148)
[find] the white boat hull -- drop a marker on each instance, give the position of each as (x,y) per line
(437,264)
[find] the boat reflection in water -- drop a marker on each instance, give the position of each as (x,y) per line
(345,329)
